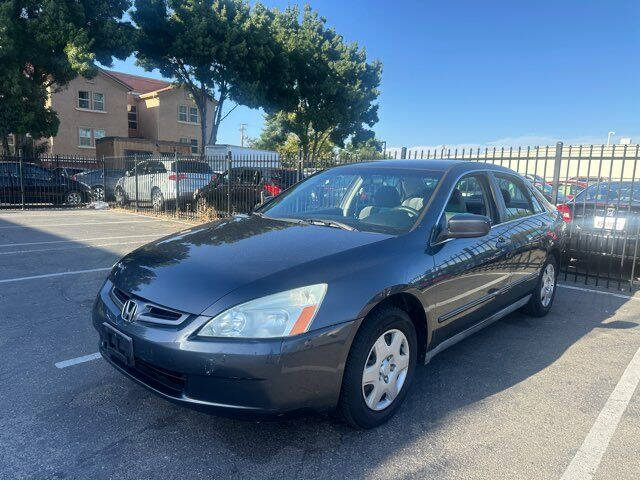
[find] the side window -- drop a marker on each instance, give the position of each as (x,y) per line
(517,199)
(537,205)
(470,196)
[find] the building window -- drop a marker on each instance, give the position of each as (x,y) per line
(193,115)
(194,146)
(182,113)
(90,100)
(133,117)
(184,140)
(85,137)
(98,101)
(84,101)
(98,134)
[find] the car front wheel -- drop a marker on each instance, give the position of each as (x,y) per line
(379,369)
(545,291)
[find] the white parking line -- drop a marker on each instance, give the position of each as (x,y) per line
(17,244)
(78,360)
(26,251)
(586,461)
(595,291)
(55,274)
(29,226)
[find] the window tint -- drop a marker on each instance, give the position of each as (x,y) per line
(516,197)
(470,196)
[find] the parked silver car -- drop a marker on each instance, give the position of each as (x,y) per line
(162,181)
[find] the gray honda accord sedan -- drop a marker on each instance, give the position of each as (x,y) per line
(329,295)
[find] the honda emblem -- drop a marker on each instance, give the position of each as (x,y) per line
(129,310)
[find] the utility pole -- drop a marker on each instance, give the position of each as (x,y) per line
(243,134)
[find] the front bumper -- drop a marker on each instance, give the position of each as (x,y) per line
(231,376)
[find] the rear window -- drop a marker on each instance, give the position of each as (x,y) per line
(191,167)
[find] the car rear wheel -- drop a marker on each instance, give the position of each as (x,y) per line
(545,291)
(201,205)
(379,369)
(121,199)
(157,199)
(73,198)
(98,192)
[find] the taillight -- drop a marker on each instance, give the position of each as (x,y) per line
(272,189)
(177,176)
(565,210)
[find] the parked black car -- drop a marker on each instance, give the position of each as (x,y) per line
(249,186)
(321,301)
(604,219)
(68,171)
(101,182)
(40,186)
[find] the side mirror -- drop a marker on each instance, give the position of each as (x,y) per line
(462,226)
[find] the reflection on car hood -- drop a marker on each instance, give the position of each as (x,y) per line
(192,269)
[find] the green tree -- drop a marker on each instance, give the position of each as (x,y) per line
(44,44)
(369,149)
(332,87)
(220,50)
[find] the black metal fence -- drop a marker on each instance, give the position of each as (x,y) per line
(596,188)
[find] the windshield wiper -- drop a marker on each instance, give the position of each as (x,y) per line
(330,223)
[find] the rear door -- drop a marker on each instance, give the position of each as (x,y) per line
(475,271)
(525,225)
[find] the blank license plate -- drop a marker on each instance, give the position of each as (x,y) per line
(118,345)
(609,223)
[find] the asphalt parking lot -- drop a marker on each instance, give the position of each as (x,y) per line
(525,398)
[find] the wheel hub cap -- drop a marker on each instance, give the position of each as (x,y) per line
(548,285)
(385,370)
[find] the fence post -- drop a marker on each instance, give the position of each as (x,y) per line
(229,183)
(104,180)
(175,163)
(556,173)
(21,178)
(135,172)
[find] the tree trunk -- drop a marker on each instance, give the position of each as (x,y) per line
(215,122)
(203,125)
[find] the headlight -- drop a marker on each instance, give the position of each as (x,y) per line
(284,314)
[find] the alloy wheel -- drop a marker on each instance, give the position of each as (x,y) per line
(98,193)
(74,198)
(385,370)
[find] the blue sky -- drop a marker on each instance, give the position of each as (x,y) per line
(489,72)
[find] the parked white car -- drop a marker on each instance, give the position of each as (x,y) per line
(163,181)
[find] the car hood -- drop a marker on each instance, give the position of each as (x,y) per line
(192,269)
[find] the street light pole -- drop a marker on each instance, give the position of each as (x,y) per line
(609,136)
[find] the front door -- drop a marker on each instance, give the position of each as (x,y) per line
(475,271)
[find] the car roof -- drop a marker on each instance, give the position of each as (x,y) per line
(437,165)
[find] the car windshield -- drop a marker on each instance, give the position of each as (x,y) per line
(366,199)
(609,192)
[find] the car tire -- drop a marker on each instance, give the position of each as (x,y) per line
(157,199)
(389,362)
(545,291)
(73,198)
(121,198)
(201,205)
(97,191)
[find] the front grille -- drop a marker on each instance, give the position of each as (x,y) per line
(167,382)
(147,311)
(171,382)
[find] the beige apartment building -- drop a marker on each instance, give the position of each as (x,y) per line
(117,114)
